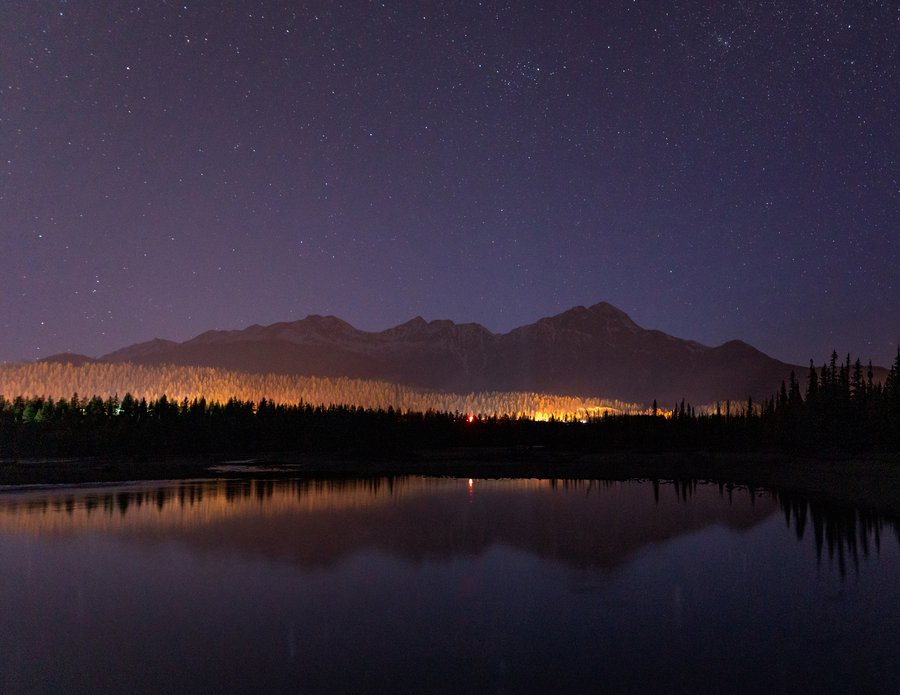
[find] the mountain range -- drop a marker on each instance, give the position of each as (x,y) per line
(585,351)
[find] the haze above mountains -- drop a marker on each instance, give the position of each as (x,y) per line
(593,351)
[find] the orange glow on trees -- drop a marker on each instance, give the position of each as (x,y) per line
(178,383)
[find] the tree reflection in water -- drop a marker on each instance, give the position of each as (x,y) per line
(364,511)
(846,531)
(390,584)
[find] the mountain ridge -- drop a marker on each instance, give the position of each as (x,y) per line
(594,351)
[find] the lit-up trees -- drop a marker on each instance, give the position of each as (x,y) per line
(188,383)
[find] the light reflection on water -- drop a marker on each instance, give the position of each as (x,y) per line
(433,584)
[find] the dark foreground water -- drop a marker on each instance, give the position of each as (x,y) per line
(443,585)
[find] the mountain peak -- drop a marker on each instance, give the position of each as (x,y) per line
(408,330)
(327,320)
(599,318)
(607,309)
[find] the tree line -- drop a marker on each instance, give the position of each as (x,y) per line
(842,409)
(178,382)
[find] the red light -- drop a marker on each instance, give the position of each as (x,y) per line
(470,418)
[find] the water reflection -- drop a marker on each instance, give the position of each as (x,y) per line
(318,522)
(443,585)
(847,532)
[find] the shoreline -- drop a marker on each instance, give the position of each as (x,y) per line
(871,483)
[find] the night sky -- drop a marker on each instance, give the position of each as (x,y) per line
(716,170)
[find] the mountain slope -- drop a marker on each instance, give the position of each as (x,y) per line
(593,351)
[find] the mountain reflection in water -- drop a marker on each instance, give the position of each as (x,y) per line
(416,584)
(319,522)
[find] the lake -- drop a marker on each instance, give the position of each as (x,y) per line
(420,584)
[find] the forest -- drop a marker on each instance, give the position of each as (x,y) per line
(150,382)
(841,411)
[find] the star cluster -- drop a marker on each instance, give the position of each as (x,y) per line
(716,170)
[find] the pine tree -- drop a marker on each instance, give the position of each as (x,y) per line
(794,397)
(812,385)
(857,385)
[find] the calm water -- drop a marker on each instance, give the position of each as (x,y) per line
(443,585)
